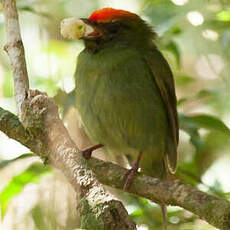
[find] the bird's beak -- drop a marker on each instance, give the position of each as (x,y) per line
(74,28)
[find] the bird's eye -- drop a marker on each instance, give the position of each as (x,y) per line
(114,29)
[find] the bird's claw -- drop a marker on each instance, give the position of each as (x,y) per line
(87,154)
(129,175)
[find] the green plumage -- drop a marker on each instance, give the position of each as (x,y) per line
(126,98)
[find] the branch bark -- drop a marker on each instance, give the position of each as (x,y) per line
(215,211)
(15,50)
(40,120)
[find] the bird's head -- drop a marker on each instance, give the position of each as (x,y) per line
(106,26)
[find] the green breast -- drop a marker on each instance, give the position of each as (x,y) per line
(119,103)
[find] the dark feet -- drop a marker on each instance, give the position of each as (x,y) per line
(130,175)
(88,152)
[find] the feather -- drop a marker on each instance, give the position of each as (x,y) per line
(163,78)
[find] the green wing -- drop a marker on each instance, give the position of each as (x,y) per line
(163,78)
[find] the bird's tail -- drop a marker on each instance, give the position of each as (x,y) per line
(164,215)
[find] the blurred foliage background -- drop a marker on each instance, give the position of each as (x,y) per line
(194,36)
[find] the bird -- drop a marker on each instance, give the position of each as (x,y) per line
(125,92)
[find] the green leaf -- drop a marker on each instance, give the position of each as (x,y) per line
(181,101)
(210,122)
(184,80)
(6,162)
(207,93)
(191,128)
(175,30)
(174,49)
(138,212)
(223,15)
(31,175)
(188,173)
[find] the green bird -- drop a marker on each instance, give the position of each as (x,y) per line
(125,91)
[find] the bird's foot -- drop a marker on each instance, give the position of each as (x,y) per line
(87,153)
(130,175)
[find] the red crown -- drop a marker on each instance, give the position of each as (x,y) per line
(109,14)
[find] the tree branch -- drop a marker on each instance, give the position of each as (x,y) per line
(39,117)
(215,211)
(15,50)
